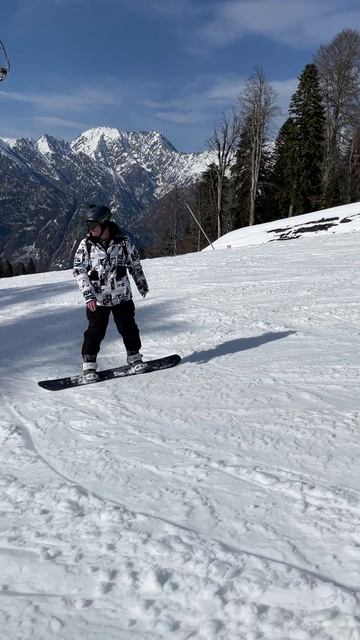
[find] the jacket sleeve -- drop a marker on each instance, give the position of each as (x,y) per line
(80,271)
(135,269)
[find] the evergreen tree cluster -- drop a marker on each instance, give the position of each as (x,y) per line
(8,269)
(299,150)
(313,164)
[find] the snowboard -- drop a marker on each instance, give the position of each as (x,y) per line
(108,374)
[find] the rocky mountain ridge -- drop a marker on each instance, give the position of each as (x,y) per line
(45,183)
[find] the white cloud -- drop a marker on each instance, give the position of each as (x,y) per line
(74,101)
(35,126)
(153,104)
(178,117)
(213,91)
(285,89)
(49,121)
(225,88)
(298,24)
(195,103)
(169,8)
(204,99)
(201,94)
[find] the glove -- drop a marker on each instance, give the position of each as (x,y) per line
(91,305)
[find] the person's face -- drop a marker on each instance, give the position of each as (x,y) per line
(95,229)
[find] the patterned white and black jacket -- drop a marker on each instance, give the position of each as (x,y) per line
(100,269)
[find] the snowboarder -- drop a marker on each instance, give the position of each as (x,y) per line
(100,269)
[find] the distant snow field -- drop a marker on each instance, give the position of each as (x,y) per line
(219,500)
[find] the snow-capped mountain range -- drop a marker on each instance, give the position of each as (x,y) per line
(44,183)
(150,151)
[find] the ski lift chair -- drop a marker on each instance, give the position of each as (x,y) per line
(4,70)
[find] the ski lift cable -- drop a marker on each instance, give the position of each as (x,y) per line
(199,225)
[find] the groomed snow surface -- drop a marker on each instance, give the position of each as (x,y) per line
(216,500)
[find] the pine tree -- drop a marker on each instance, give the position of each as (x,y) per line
(282,169)
(6,270)
(335,186)
(19,269)
(206,204)
(306,150)
(265,208)
(352,164)
(241,182)
(31,268)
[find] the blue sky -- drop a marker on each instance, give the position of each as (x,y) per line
(169,65)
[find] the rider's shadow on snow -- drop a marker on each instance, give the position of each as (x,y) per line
(233,346)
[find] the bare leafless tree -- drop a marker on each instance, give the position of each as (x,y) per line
(257,109)
(223,143)
(339,73)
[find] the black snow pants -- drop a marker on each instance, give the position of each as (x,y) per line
(124,317)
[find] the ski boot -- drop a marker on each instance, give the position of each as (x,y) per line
(135,360)
(89,370)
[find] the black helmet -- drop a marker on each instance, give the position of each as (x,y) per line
(97,213)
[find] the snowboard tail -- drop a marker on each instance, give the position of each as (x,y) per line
(108,374)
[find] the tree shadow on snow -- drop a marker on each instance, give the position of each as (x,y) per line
(233,346)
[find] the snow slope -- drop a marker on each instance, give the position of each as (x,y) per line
(217,500)
(342,219)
